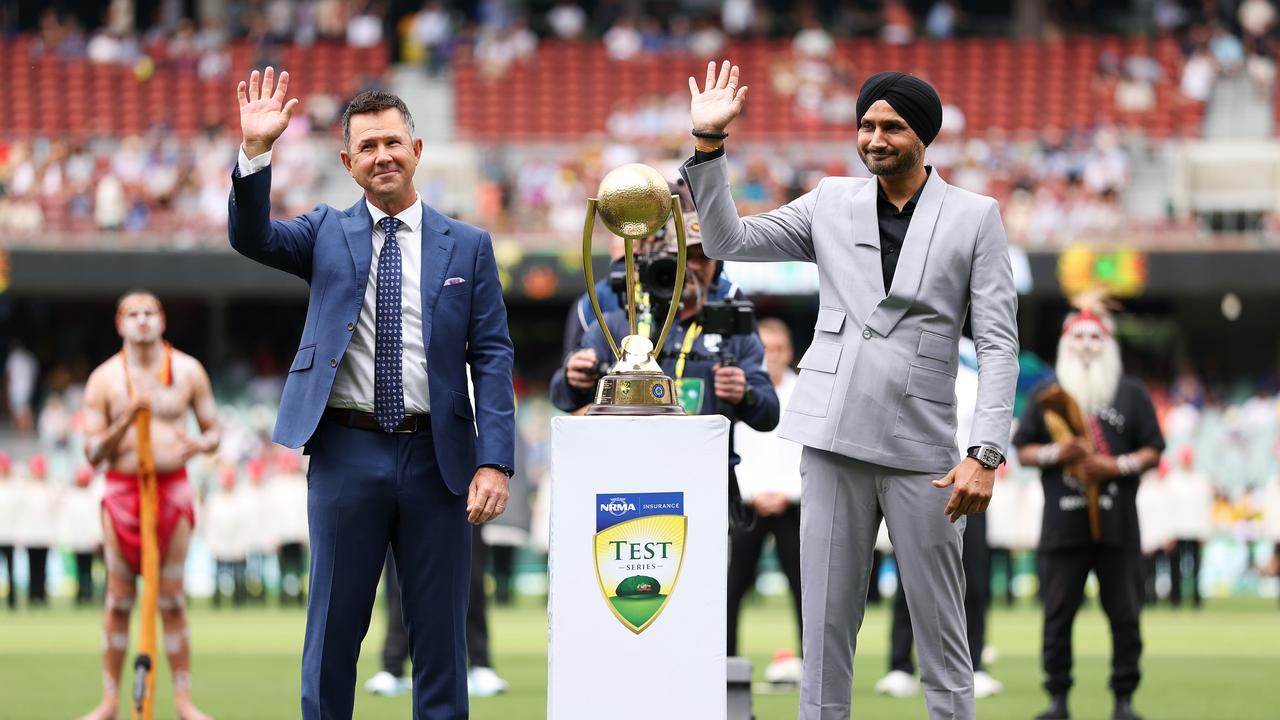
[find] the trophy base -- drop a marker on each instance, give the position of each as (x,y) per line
(633,394)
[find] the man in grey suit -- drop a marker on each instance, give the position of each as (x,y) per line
(901,259)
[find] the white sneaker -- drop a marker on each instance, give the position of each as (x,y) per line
(484,682)
(985,686)
(898,684)
(783,672)
(989,655)
(386,684)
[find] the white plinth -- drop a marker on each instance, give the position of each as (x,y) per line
(626,495)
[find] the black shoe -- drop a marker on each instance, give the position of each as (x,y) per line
(1057,709)
(1124,709)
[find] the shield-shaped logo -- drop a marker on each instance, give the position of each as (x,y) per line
(690,392)
(639,550)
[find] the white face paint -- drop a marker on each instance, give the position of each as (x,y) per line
(140,320)
(1087,341)
(1089,367)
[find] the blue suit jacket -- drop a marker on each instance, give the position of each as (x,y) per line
(465,323)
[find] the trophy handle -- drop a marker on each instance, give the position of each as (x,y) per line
(591,280)
(680,261)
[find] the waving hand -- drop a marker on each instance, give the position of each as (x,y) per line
(719,101)
(264,114)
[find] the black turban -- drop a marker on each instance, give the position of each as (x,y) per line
(914,99)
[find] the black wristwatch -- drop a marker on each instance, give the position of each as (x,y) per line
(988,456)
(504,469)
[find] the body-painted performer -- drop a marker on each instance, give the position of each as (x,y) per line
(147,376)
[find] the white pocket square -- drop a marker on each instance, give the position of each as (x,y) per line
(454,281)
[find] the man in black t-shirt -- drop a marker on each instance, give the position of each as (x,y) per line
(1127,441)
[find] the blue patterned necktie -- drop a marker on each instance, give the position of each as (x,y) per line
(388,352)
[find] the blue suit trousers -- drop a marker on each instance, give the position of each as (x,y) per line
(367,490)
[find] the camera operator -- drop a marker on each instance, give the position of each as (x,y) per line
(611,289)
(715,372)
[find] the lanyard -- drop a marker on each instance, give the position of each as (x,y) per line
(686,347)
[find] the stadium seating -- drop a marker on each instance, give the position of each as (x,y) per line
(47,95)
(570,88)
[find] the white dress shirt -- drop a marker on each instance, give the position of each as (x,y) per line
(769,463)
(353,384)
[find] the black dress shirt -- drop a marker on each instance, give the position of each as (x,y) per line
(893,230)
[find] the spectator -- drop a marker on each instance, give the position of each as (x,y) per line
(223,524)
(812,40)
(365,30)
(567,20)
(1156,521)
(622,41)
(37,527)
(1257,19)
(1191,499)
(707,39)
(940,23)
(1135,95)
(431,31)
(738,17)
(21,371)
(10,513)
(1227,50)
(80,529)
(1198,75)
(288,496)
(899,26)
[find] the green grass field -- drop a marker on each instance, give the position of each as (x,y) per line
(1219,663)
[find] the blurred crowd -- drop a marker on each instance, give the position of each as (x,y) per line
(195,36)
(1218,485)
(1056,186)
(175,190)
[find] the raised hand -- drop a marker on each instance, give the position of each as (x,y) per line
(719,101)
(264,114)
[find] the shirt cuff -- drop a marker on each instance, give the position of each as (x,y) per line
(249,167)
(698,155)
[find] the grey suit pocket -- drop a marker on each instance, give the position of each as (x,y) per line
(830,320)
(936,346)
(812,394)
(927,413)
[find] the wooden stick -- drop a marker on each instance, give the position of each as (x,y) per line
(1065,420)
(1060,431)
(149,501)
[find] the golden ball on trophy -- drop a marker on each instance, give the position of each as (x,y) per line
(634,201)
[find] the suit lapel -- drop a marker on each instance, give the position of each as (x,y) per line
(358,228)
(866,249)
(437,248)
(911,264)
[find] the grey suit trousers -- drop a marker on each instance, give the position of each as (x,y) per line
(842,502)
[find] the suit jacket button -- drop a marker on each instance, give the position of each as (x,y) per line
(866,334)
(333,362)
(351,326)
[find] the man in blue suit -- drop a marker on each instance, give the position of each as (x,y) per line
(402,301)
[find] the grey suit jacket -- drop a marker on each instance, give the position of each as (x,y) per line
(878,382)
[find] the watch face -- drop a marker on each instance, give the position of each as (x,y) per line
(989,457)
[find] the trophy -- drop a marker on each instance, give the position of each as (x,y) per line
(633,202)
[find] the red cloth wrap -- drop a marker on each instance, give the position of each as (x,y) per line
(121,501)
